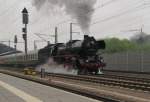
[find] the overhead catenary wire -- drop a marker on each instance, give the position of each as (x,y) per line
(118,15)
(136,9)
(135,26)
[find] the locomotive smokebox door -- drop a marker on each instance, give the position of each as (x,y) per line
(86,36)
(101,44)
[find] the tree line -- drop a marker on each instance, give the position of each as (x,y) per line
(114,45)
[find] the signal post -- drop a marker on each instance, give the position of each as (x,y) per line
(24,30)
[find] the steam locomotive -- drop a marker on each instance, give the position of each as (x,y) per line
(78,54)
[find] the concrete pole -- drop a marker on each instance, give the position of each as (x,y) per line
(26,47)
(35,47)
(71,31)
(15,46)
(56,35)
(9,43)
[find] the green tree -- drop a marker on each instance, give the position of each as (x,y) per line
(114,45)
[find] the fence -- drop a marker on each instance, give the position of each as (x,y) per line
(128,61)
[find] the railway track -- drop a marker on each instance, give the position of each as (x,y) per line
(119,77)
(119,81)
(110,76)
(109,80)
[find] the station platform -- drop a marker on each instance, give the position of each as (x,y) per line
(14,89)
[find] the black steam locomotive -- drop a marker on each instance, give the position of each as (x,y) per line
(78,54)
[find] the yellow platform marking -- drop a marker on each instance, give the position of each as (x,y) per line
(26,97)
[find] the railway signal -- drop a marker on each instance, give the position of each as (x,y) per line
(25,16)
(25,21)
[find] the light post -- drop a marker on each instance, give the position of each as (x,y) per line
(71,30)
(15,42)
(53,36)
(24,30)
(56,35)
(142,58)
(15,46)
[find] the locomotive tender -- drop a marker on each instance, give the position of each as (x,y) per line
(77,54)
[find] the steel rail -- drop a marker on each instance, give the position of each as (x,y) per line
(105,81)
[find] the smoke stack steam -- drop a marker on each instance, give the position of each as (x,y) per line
(81,10)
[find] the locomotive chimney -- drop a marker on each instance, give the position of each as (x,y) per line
(86,36)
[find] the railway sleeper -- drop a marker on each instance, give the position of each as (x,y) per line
(113,80)
(126,84)
(126,78)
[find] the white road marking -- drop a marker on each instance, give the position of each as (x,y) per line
(26,97)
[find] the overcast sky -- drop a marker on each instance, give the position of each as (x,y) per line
(111,18)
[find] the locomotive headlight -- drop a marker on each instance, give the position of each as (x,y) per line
(92,42)
(87,60)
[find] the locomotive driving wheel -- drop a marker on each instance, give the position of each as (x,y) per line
(83,71)
(96,71)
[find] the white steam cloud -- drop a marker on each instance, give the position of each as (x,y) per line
(53,67)
(81,10)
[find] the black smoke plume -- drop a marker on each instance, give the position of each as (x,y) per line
(81,10)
